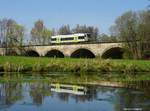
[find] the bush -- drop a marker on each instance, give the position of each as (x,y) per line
(131,69)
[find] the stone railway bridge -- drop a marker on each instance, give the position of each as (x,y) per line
(86,50)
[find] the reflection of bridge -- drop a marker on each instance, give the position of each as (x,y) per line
(71,89)
(104,50)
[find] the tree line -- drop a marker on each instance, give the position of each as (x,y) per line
(131,27)
(12,33)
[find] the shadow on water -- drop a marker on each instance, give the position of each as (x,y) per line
(39,92)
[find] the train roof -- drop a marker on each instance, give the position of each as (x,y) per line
(70,35)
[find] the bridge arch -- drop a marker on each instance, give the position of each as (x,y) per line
(32,53)
(54,53)
(113,53)
(82,53)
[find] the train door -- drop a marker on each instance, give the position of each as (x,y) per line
(58,40)
(76,39)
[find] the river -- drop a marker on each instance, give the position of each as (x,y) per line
(40,93)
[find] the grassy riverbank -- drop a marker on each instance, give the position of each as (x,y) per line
(33,64)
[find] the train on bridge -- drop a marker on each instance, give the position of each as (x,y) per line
(71,38)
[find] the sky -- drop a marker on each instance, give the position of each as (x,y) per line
(55,13)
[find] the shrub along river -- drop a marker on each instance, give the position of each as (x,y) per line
(74,92)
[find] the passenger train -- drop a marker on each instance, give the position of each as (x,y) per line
(72,38)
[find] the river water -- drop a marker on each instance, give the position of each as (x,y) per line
(33,93)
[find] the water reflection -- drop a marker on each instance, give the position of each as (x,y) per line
(47,96)
(38,91)
(9,94)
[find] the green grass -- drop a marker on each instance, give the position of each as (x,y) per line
(42,64)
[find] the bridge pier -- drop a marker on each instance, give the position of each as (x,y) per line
(2,51)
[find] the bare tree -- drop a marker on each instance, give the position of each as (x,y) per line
(40,35)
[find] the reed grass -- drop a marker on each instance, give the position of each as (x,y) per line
(40,64)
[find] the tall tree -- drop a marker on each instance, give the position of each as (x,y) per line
(11,33)
(15,33)
(3,31)
(53,32)
(133,28)
(144,33)
(40,35)
(64,30)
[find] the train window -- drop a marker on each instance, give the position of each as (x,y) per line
(53,39)
(81,37)
(65,39)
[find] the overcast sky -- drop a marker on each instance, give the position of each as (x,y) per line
(54,13)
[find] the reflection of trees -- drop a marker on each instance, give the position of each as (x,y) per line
(38,91)
(134,99)
(10,93)
(126,98)
(119,97)
(107,94)
(63,96)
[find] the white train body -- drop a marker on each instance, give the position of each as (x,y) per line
(72,38)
